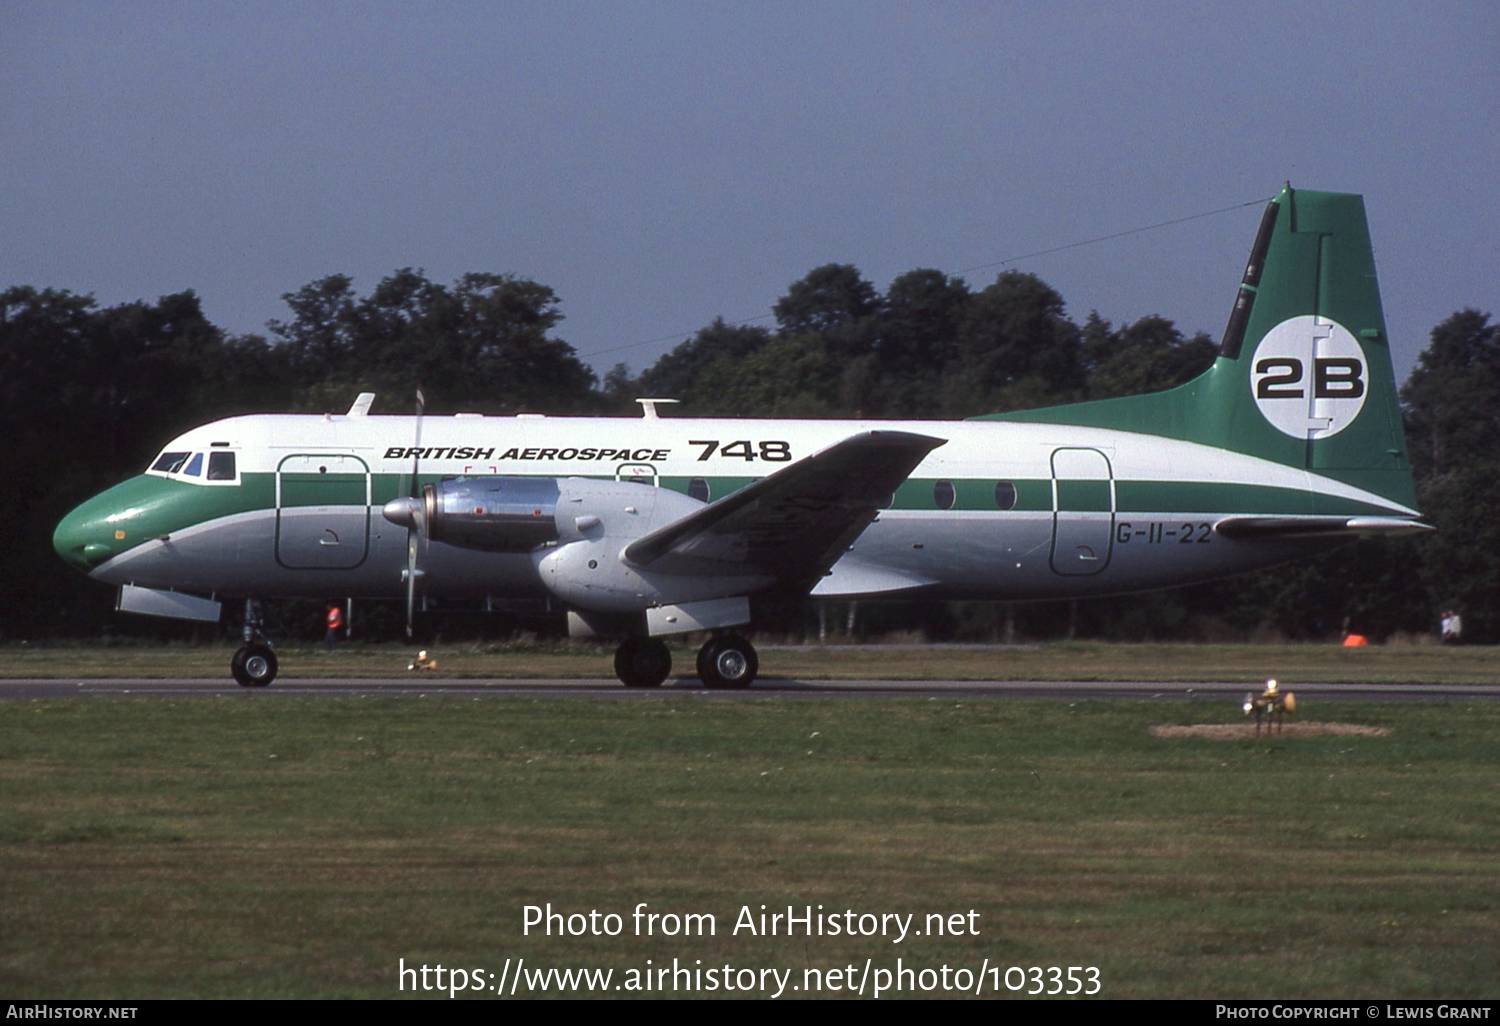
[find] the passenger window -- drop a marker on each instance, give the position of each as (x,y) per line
(698,489)
(221,466)
(170,462)
(1005,495)
(195,465)
(943,494)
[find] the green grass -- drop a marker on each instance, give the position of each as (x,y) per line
(1417,664)
(298,847)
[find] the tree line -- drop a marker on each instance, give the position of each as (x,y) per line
(88,394)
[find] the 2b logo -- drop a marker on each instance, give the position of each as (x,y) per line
(1334,377)
(1308,377)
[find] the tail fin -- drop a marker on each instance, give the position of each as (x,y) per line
(1304,372)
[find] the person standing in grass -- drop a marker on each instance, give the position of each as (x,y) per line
(1451,628)
(335,620)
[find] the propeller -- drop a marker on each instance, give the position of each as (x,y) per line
(410,511)
(414,523)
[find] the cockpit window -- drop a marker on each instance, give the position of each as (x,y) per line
(170,462)
(195,465)
(221,466)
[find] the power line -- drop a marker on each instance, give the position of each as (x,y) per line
(685,335)
(1116,235)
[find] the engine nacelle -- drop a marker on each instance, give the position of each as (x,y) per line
(490,514)
(597,520)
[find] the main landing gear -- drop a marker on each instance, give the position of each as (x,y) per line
(642,662)
(254,665)
(724,661)
(727,661)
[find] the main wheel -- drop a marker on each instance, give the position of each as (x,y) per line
(642,662)
(728,661)
(254,665)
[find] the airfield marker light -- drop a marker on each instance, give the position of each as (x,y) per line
(1273,702)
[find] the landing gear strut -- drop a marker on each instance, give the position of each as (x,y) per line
(642,662)
(727,661)
(254,665)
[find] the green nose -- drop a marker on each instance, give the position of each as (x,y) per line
(83,541)
(116,519)
(134,511)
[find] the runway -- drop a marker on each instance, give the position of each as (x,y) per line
(687,688)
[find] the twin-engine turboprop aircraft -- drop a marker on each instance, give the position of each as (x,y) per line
(642,528)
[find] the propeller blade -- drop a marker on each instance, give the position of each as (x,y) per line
(417,444)
(411,578)
(412,514)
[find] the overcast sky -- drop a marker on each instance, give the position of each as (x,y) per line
(661,164)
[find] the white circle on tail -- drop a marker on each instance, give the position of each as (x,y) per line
(1309,377)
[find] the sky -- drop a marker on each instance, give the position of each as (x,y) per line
(660,164)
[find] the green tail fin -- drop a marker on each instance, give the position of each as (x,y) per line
(1304,372)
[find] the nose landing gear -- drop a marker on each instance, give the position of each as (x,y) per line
(254,665)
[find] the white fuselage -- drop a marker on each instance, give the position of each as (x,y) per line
(1001,511)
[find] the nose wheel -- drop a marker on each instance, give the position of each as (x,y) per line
(727,661)
(254,665)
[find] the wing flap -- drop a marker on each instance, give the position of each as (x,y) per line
(795,524)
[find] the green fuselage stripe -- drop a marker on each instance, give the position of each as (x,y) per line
(168,505)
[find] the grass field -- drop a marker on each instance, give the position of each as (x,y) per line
(1417,664)
(298,847)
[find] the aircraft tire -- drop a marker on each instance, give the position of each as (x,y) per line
(642,662)
(728,661)
(254,666)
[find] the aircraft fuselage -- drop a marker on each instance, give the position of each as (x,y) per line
(1001,511)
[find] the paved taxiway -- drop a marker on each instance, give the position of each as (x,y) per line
(23,689)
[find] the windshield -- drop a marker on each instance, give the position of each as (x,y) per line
(170,462)
(221,466)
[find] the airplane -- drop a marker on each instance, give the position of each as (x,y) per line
(642,528)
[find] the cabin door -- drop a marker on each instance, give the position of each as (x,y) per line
(322,511)
(1083,511)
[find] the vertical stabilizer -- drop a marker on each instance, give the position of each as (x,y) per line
(1304,372)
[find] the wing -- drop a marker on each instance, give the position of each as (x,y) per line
(795,524)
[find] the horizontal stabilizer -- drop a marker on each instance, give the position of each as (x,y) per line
(794,525)
(1317,527)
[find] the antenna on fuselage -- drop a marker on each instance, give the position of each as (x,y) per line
(648,407)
